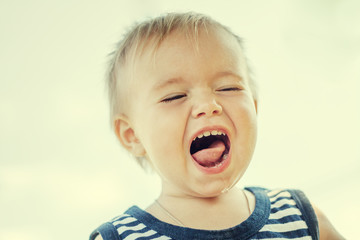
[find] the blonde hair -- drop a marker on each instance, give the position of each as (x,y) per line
(155,30)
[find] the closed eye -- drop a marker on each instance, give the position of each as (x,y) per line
(173,98)
(229,89)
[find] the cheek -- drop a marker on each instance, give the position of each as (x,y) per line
(243,110)
(245,121)
(163,134)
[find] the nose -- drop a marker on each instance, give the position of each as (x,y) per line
(206,107)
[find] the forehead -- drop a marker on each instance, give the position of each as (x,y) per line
(181,51)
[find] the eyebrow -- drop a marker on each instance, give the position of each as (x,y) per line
(167,82)
(171,81)
(228,73)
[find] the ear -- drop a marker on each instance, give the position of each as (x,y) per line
(126,135)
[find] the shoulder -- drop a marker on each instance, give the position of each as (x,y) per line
(314,217)
(327,230)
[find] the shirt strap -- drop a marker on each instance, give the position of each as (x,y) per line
(107,232)
(307,211)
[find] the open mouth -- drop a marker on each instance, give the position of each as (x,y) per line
(210,149)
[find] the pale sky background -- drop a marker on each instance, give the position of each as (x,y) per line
(62,172)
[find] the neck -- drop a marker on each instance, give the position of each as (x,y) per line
(222,211)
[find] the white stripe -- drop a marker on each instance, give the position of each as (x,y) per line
(284,213)
(274,192)
(118,217)
(138,235)
(300,238)
(283,194)
(282,202)
(133,228)
(162,238)
(125,221)
(284,227)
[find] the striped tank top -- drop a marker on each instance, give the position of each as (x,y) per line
(278,214)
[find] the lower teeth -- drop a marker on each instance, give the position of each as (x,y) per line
(220,163)
(217,165)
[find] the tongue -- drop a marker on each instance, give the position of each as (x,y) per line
(211,154)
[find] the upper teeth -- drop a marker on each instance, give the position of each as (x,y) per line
(208,133)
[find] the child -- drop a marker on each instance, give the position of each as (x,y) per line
(183,103)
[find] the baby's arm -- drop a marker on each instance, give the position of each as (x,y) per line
(327,230)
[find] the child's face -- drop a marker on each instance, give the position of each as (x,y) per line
(182,92)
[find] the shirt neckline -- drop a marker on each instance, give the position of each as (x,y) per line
(243,230)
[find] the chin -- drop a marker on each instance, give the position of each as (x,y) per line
(215,188)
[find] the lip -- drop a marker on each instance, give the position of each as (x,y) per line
(225,163)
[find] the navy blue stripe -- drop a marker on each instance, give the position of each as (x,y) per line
(280,198)
(283,207)
(120,218)
(290,218)
(272,196)
(129,232)
(131,224)
(291,234)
